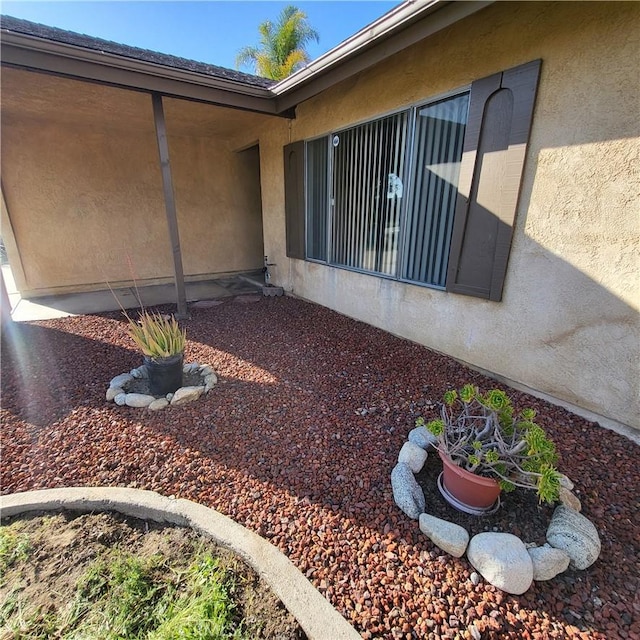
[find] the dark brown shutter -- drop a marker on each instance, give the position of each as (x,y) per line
(294,199)
(495,145)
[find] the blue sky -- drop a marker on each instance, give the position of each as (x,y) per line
(207,31)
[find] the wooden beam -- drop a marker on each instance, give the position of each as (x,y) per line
(170,203)
(139,77)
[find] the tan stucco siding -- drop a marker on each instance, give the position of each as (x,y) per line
(82,201)
(83,187)
(272,141)
(568,322)
(217,195)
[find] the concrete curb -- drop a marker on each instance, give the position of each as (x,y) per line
(316,616)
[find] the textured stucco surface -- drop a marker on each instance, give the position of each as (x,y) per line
(568,322)
(83,189)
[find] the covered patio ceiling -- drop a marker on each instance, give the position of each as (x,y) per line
(56,99)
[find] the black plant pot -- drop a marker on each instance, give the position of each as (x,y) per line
(165,374)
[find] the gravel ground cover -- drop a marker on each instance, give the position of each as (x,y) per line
(297,443)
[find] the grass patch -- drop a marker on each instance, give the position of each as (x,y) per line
(205,608)
(13,547)
(122,596)
(104,576)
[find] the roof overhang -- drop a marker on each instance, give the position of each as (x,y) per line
(46,56)
(398,29)
(405,25)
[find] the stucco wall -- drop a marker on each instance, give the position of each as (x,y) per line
(217,193)
(83,189)
(568,322)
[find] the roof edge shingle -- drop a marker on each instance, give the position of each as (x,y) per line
(54,34)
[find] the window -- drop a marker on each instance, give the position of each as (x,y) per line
(363,173)
(367,161)
(427,195)
(438,136)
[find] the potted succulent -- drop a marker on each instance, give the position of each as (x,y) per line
(162,342)
(482,441)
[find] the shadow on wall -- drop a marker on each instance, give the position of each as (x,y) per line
(558,330)
(571,336)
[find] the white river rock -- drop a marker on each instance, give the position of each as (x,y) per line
(502,560)
(575,535)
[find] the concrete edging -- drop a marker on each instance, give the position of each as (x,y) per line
(312,610)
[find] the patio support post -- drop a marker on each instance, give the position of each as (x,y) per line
(170,203)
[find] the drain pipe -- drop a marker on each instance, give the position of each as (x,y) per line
(267,273)
(270,289)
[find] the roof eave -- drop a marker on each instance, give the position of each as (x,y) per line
(48,56)
(402,27)
(398,29)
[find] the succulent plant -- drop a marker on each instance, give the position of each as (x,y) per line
(482,434)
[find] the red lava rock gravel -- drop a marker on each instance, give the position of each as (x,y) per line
(297,442)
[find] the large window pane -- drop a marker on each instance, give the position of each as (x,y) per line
(317,195)
(357,184)
(368,184)
(438,138)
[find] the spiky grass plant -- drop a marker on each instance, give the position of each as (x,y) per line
(481,434)
(157,336)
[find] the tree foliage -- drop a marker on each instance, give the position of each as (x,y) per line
(282,45)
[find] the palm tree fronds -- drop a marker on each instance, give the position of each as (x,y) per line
(282,45)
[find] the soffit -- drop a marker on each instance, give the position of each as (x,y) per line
(34,96)
(196,119)
(28,52)
(75,104)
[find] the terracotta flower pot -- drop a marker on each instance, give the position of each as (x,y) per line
(468,488)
